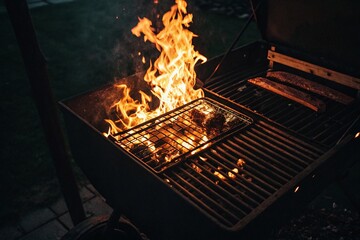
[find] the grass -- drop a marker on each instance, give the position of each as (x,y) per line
(87,44)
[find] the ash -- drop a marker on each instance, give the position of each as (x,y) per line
(318,224)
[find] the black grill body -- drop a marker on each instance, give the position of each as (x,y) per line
(182,202)
(283,158)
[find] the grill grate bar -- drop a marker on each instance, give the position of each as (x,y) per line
(264,103)
(230,89)
(316,150)
(216,80)
(333,138)
(281,107)
(222,191)
(319,120)
(263,160)
(210,208)
(252,168)
(243,91)
(270,146)
(256,100)
(261,96)
(306,119)
(223,82)
(281,156)
(338,129)
(214,165)
(258,184)
(250,96)
(237,184)
(336,120)
(332,127)
(292,118)
(224,204)
(278,151)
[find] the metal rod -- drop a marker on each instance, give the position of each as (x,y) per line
(354,123)
(280,159)
(266,182)
(206,168)
(247,23)
(36,70)
(209,167)
(183,186)
(211,193)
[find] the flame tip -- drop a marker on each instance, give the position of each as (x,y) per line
(171,77)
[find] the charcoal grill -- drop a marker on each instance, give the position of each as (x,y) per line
(284,153)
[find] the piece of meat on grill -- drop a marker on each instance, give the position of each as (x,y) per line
(197,117)
(140,150)
(291,93)
(215,123)
(310,86)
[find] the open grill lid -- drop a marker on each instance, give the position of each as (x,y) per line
(326,29)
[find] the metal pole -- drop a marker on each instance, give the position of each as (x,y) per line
(36,69)
(236,40)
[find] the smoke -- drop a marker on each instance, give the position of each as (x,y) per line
(130,53)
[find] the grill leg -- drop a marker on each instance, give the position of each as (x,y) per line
(36,69)
(112,223)
(120,228)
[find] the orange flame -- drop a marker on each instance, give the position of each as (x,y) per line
(171,77)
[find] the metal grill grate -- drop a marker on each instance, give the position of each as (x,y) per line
(165,140)
(265,159)
(325,128)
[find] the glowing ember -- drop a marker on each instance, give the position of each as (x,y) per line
(196,168)
(219,175)
(171,77)
(232,173)
(240,163)
(203,158)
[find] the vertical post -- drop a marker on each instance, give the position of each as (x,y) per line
(36,70)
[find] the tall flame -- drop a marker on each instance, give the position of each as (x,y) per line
(171,78)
